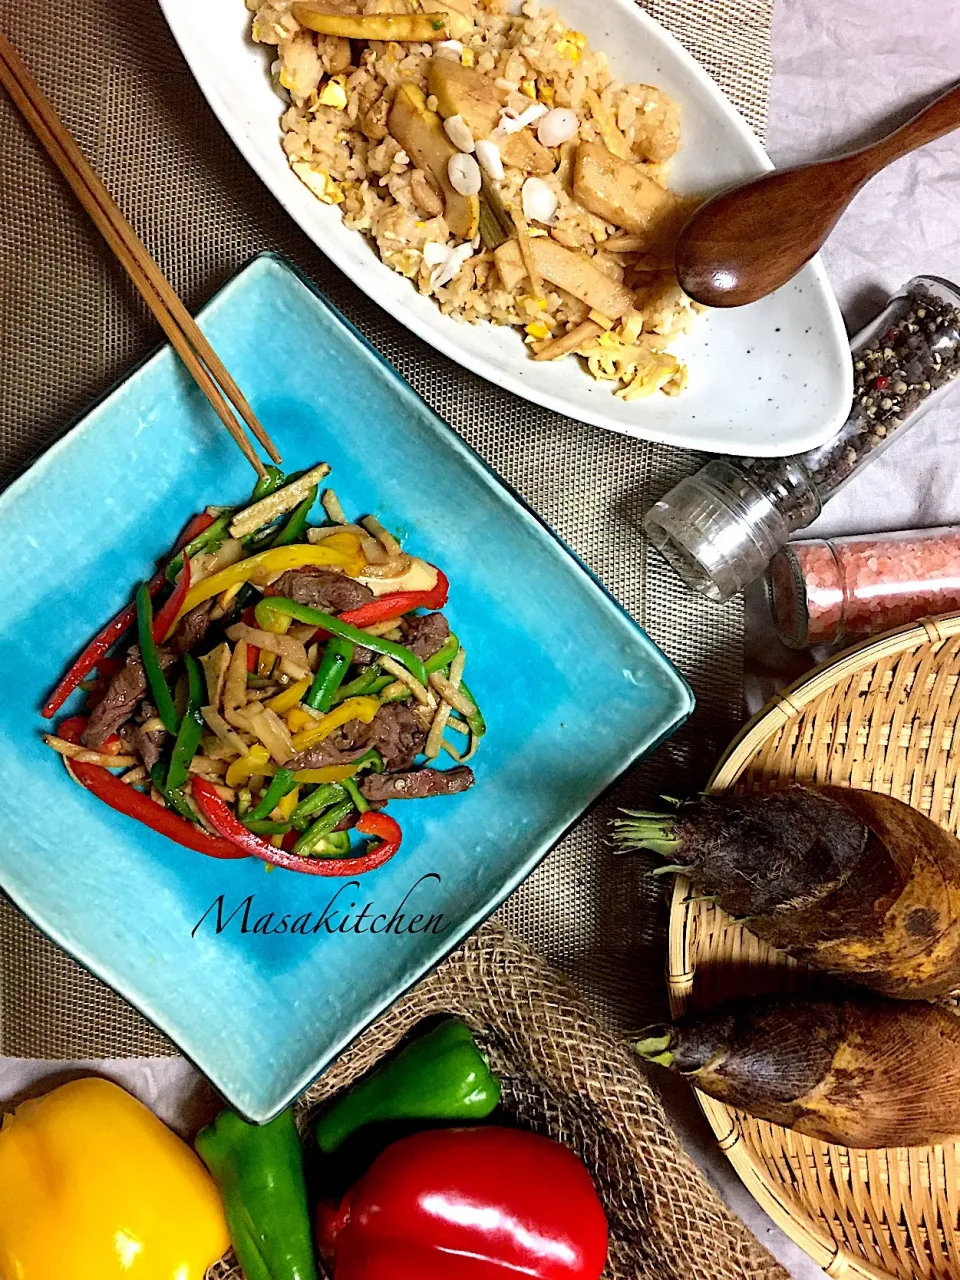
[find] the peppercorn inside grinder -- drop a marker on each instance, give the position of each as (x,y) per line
(720,528)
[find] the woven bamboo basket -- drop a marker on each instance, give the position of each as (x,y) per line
(880,716)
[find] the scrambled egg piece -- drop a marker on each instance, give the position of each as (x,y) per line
(321,184)
(334,93)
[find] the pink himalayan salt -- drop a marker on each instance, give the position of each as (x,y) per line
(827,591)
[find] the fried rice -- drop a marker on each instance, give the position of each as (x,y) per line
(336,134)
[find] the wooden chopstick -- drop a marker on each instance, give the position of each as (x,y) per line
(177,323)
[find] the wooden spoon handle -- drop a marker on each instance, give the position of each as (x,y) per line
(940,117)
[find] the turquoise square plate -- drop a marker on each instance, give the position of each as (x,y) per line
(263,977)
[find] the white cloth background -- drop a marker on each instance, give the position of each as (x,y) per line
(843,72)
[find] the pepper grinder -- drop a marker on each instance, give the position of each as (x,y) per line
(720,528)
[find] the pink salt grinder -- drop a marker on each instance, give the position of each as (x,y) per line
(828,591)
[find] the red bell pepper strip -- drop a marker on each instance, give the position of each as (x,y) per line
(226,824)
(382,825)
(397,603)
(249,618)
(468,1204)
(131,802)
(165,620)
(107,636)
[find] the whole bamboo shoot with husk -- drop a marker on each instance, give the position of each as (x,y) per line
(859,1071)
(848,881)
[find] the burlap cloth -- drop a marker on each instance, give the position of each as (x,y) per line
(70,325)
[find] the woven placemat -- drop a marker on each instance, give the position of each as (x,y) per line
(70,324)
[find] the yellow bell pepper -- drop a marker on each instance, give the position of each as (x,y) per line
(257,760)
(266,564)
(95,1187)
(290,696)
(350,709)
(329,773)
(298,719)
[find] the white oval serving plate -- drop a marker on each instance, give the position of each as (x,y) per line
(769,379)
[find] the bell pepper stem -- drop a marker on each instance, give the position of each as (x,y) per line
(439,1076)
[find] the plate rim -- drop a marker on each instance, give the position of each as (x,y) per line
(269,1102)
(485,368)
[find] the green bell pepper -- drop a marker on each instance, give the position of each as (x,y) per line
(337,657)
(209,539)
(310,841)
(191,727)
(272,605)
(370,681)
(259,1171)
(281,784)
(149,656)
(439,1076)
(292,530)
(267,484)
(326,794)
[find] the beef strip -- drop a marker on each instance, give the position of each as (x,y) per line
(148,743)
(425,634)
(397,734)
(321,589)
(417,784)
(394,731)
(191,629)
(121,699)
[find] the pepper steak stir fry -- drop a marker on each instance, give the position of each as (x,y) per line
(279,689)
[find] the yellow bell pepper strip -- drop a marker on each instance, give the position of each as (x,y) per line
(95,1187)
(329,773)
(259,1169)
(257,761)
(303,613)
(363,709)
(289,698)
(266,564)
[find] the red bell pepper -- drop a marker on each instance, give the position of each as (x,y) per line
(165,620)
(107,636)
(128,800)
(468,1204)
(249,619)
(397,603)
(382,825)
(226,824)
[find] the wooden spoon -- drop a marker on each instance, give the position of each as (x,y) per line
(746,242)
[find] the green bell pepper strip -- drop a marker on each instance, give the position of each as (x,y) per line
(149,656)
(175,799)
(208,539)
(370,682)
(322,827)
(281,784)
(259,1171)
(478,726)
(371,758)
(335,845)
(439,1076)
(360,801)
(267,484)
(444,655)
(326,794)
(266,828)
(272,605)
(333,666)
(292,530)
(191,728)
